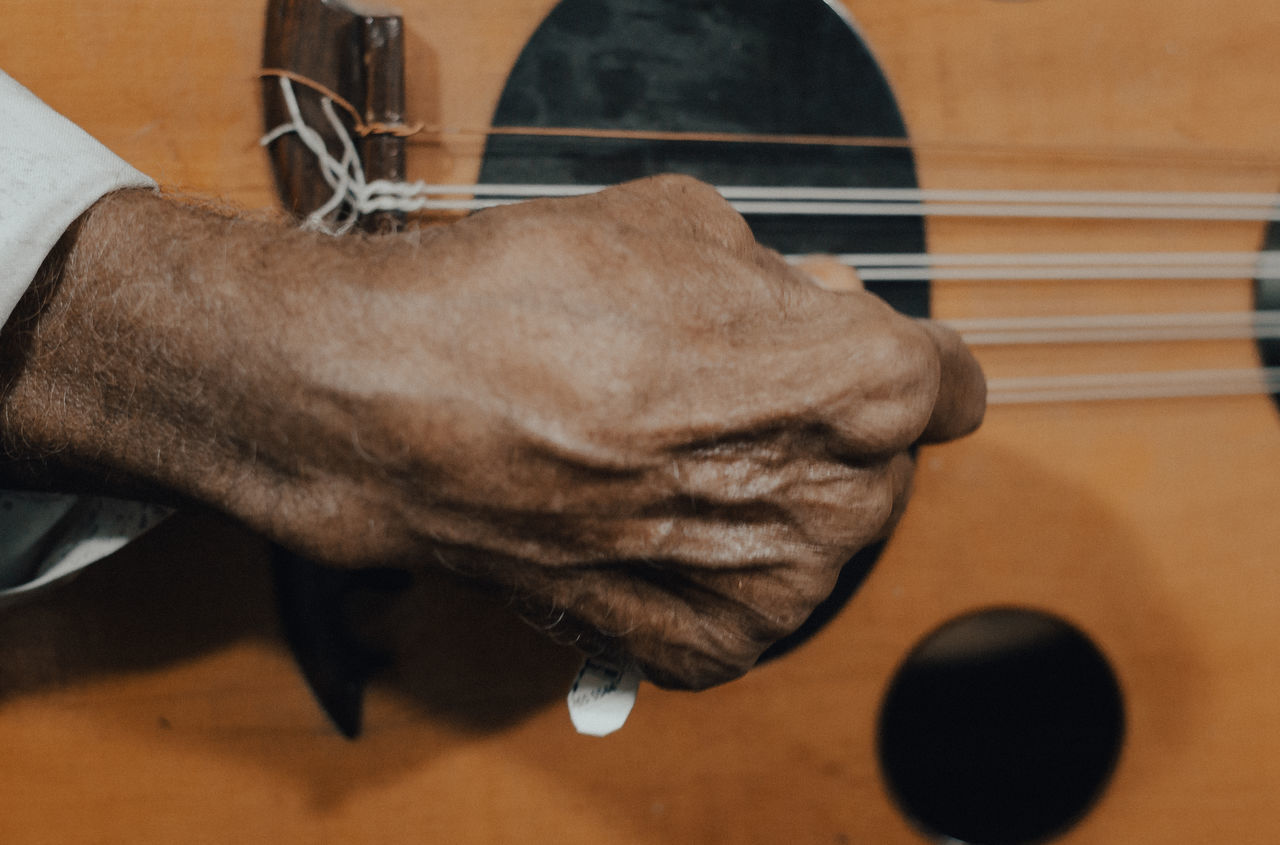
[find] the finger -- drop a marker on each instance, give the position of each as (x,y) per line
(962,388)
(681,635)
(900,471)
(829,273)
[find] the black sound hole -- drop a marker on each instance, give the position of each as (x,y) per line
(1266,297)
(1001,727)
(726,66)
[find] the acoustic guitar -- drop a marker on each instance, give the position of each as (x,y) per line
(1072,635)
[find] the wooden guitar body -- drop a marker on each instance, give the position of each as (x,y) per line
(152,699)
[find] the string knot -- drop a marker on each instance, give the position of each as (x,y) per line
(353,195)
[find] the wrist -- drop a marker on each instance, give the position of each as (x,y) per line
(154,356)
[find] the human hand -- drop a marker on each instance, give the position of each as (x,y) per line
(673,440)
(618,408)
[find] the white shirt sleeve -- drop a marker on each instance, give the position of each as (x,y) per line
(51,171)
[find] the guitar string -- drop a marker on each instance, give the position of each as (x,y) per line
(346,178)
(422,134)
(384,195)
(789,192)
(349,186)
(1154,385)
(433,136)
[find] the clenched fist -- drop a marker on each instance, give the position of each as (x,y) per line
(652,432)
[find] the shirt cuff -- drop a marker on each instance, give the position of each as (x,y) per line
(51,171)
(55,536)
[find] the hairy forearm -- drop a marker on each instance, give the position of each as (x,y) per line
(168,351)
(618,405)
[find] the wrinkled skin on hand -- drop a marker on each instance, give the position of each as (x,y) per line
(660,439)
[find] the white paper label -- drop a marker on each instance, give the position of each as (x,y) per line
(602,696)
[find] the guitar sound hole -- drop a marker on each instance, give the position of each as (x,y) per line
(1266,297)
(759,67)
(1001,727)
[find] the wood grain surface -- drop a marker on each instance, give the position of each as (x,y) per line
(152,699)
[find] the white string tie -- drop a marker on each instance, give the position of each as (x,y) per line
(352,195)
(347,179)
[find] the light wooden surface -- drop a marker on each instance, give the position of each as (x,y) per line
(152,701)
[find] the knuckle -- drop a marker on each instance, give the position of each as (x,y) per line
(908,358)
(787,619)
(881,500)
(708,214)
(816,587)
(871,509)
(676,185)
(727,227)
(900,373)
(696,669)
(801,588)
